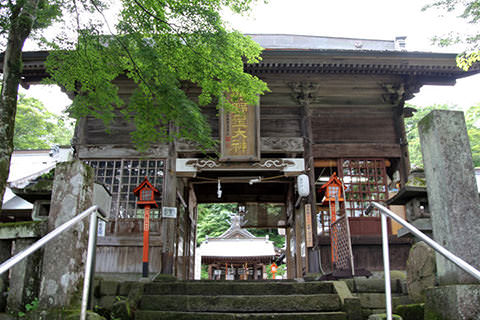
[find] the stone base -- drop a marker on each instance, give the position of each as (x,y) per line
(453,302)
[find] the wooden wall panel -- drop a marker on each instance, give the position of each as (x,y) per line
(367,252)
(95,133)
(126,259)
(356,124)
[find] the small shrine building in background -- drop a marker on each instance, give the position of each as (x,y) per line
(235,255)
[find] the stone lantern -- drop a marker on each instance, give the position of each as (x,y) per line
(414,197)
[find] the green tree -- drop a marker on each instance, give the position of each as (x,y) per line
(17,21)
(414,148)
(36,128)
(164,47)
(472,119)
(213,220)
(470,11)
(278,240)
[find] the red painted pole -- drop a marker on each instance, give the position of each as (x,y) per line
(146,232)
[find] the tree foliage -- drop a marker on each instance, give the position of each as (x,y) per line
(214,219)
(470,11)
(36,128)
(472,119)
(17,21)
(166,48)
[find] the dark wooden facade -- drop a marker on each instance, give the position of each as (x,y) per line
(326,106)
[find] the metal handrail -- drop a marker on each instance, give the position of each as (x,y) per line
(92,238)
(386,262)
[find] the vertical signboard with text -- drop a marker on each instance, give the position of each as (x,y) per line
(240,133)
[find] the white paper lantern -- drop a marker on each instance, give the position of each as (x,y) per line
(303,185)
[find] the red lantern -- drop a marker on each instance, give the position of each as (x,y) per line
(332,189)
(146,194)
(333,196)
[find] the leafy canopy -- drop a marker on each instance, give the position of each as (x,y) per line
(178,53)
(214,219)
(472,119)
(470,11)
(36,128)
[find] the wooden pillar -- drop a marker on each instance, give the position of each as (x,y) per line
(264,271)
(304,94)
(300,244)
(290,235)
(399,126)
(168,229)
(210,271)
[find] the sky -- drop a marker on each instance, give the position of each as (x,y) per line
(368,19)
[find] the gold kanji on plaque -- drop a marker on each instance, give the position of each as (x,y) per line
(240,133)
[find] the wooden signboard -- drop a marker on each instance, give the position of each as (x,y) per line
(308,225)
(240,133)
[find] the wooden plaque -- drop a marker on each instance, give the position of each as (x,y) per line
(308,225)
(240,133)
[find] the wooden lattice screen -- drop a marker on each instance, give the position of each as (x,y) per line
(365,181)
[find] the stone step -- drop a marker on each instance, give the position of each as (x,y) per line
(259,303)
(168,315)
(377,300)
(213,288)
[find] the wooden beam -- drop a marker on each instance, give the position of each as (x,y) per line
(345,150)
(323,163)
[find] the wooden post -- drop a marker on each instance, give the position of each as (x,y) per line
(300,245)
(290,234)
(146,231)
(168,229)
(399,126)
(210,267)
(304,94)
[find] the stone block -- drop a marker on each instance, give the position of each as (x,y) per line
(65,256)
(411,311)
(353,308)
(108,288)
(452,191)
(5,254)
(23,229)
(383,316)
(421,271)
(453,302)
(24,277)
(376,285)
(372,300)
(107,302)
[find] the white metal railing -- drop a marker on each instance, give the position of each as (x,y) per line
(386,261)
(95,213)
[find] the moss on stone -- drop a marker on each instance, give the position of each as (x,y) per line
(426,122)
(411,311)
(164,277)
(19,224)
(382,316)
(398,275)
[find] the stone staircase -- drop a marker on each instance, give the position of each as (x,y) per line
(219,300)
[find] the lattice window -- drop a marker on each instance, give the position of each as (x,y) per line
(323,221)
(366,181)
(122,176)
